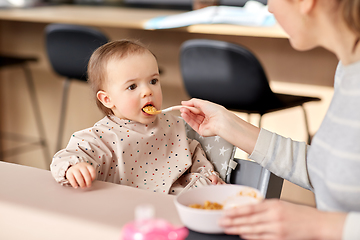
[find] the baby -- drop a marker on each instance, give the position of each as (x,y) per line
(129,146)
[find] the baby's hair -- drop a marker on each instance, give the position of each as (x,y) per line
(97,66)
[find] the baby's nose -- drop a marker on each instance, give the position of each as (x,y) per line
(147,92)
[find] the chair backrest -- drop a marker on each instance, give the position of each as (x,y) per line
(69,48)
(252,174)
(237,171)
(218,151)
(224,73)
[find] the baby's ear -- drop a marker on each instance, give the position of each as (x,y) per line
(306,6)
(105,99)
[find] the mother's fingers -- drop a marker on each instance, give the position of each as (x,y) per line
(190,120)
(258,217)
(251,208)
(194,121)
(193,112)
(252,229)
(194,102)
(244,210)
(187,103)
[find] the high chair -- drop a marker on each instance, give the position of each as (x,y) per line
(237,171)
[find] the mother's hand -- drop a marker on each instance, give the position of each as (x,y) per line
(275,219)
(207,122)
(214,120)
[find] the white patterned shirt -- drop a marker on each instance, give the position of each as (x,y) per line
(157,157)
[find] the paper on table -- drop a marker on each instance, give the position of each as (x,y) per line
(252,14)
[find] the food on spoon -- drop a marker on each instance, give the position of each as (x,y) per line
(207,205)
(149,109)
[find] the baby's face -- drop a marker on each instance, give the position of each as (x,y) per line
(133,83)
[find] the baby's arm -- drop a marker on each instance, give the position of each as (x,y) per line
(84,147)
(81,174)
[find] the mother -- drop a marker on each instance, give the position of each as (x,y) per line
(330,167)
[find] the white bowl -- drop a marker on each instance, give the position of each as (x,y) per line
(206,221)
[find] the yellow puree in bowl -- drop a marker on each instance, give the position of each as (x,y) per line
(217,206)
(208,206)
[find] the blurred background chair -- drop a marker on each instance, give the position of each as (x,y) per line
(231,75)
(69,48)
(237,171)
(29,142)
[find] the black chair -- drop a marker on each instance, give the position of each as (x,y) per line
(29,142)
(69,48)
(230,75)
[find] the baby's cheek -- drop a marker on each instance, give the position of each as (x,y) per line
(130,107)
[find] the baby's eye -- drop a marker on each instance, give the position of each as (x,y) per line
(154,81)
(132,87)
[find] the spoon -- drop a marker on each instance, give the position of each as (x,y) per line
(153,111)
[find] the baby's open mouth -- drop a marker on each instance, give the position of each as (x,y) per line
(149,109)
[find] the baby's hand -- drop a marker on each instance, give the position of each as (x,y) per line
(215,180)
(81,174)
